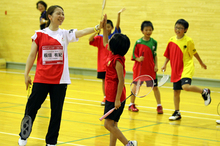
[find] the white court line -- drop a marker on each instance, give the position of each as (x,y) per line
(5,133)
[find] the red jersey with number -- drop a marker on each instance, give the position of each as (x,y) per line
(111,78)
(52,59)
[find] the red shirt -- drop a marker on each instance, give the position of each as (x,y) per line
(111,78)
(102,53)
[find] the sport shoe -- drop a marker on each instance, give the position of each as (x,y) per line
(132,143)
(133,108)
(218,121)
(176,116)
(206,96)
(159,109)
(103,102)
(22,142)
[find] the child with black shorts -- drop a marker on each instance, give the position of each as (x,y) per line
(180,51)
(114,84)
(97,41)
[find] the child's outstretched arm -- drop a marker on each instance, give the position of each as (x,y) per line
(165,64)
(200,61)
(118,19)
(86,31)
(105,33)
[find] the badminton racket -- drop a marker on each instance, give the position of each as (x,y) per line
(163,80)
(218,108)
(26,123)
(139,81)
(103,7)
(146,84)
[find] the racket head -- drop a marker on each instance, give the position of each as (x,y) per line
(26,127)
(218,108)
(142,86)
(163,80)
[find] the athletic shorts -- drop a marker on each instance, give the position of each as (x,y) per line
(178,85)
(101,75)
(115,115)
(148,83)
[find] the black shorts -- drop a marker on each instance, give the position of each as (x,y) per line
(148,83)
(115,115)
(101,75)
(178,85)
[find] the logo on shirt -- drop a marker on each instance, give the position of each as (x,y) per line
(108,63)
(185,47)
(71,31)
(186,81)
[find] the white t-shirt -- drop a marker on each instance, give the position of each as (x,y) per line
(52,60)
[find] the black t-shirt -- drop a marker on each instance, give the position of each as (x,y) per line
(43,15)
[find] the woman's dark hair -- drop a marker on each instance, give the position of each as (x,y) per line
(43,3)
(50,12)
(146,23)
(119,44)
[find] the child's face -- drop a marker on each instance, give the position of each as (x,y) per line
(147,31)
(40,7)
(179,30)
(109,28)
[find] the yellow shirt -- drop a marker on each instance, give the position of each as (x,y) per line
(180,52)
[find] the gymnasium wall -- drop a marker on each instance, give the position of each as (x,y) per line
(19,20)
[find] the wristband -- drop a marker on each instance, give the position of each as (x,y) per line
(96,29)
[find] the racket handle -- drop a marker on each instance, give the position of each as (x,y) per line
(108,113)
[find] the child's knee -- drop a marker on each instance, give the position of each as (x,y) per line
(186,87)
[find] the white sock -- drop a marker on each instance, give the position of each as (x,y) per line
(131,104)
(159,105)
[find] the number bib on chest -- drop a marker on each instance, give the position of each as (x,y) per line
(52,55)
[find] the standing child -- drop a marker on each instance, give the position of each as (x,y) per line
(114,84)
(97,41)
(180,51)
(145,57)
(52,71)
(42,7)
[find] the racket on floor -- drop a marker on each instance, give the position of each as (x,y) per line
(163,80)
(26,123)
(140,87)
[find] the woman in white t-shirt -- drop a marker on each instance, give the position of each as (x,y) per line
(52,72)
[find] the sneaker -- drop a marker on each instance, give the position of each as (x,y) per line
(133,108)
(206,96)
(132,143)
(22,142)
(103,102)
(159,109)
(176,116)
(218,121)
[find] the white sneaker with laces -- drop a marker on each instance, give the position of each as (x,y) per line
(176,116)
(132,143)
(206,96)
(22,142)
(218,121)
